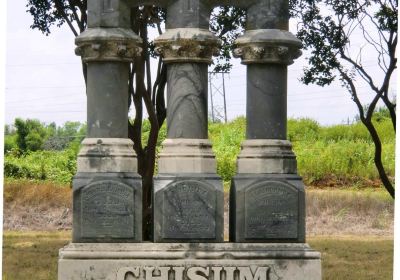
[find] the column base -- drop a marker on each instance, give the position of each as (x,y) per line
(186,156)
(266,156)
(188,207)
(107,155)
(267,208)
(180,261)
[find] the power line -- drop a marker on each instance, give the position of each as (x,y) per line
(45,97)
(42,64)
(41,87)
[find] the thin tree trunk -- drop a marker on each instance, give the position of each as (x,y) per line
(378,156)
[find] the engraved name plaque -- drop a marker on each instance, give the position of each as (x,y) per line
(107,210)
(271,211)
(189,211)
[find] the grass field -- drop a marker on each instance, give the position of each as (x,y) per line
(33,255)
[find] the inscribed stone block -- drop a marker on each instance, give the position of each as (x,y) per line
(267,208)
(107,208)
(188,209)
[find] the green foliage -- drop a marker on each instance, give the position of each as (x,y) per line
(10,143)
(302,129)
(226,139)
(31,134)
(54,166)
(70,133)
(342,154)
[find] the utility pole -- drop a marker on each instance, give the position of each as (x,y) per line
(223,93)
(211,96)
(217,96)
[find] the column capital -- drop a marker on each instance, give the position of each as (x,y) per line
(187,45)
(108,44)
(267,46)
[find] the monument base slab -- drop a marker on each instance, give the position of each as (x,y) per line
(189,261)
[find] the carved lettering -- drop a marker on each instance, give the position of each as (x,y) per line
(107,210)
(178,272)
(161,273)
(126,273)
(271,211)
(246,274)
(197,273)
(230,272)
(193,273)
(189,210)
(217,272)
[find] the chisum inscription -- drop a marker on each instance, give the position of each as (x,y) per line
(189,210)
(198,273)
(271,211)
(108,210)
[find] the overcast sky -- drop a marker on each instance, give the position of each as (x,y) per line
(44,79)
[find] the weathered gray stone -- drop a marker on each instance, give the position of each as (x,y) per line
(266,107)
(107,52)
(179,261)
(187,101)
(267,208)
(181,155)
(188,208)
(267,46)
(107,155)
(107,207)
(108,13)
(187,45)
(271,14)
(266,156)
(188,14)
(108,44)
(107,100)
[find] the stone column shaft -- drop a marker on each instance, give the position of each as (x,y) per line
(187,101)
(107,99)
(266,101)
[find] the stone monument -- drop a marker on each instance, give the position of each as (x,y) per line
(267,219)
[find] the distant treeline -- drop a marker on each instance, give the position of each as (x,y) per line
(337,155)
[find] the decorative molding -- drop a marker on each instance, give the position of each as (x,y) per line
(187,45)
(267,46)
(108,44)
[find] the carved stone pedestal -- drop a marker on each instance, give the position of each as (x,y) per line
(107,192)
(194,261)
(267,201)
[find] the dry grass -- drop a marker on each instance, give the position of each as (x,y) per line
(45,206)
(334,212)
(355,257)
(36,206)
(34,255)
(43,194)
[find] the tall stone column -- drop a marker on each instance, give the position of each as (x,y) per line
(188,195)
(267,196)
(107,190)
